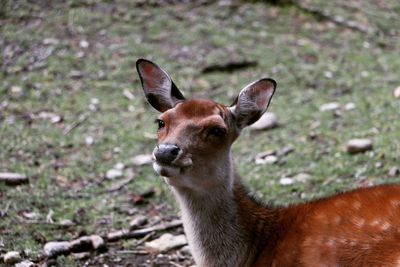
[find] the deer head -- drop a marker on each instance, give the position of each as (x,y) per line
(195,136)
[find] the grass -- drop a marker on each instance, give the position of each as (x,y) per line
(314,62)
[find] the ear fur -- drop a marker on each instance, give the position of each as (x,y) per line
(253,101)
(159,89)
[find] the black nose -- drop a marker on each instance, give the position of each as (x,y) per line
(166,153)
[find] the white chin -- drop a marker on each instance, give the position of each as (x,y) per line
(166,171)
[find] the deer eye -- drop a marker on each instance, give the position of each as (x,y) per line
(217,131)
(160,123)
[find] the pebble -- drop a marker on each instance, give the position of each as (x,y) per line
(286,181)
(167,242)
(350,106)
(301,177)
(396,93)
(54,248)
(11,257)
(11,178)
(25,263)
(329,106)
(267,121)
(270,159)
(114,173)
(144,159)
(394,171)
(359,145)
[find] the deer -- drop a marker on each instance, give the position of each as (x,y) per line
(226,225)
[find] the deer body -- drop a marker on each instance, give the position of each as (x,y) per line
(227,227)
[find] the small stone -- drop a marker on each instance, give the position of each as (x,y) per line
(113,174)
(25,263)
(16,90)
(167,242)
(97,242)
(359,145)
(56,248)
(301,177)
(186,250)
(66,222)
(350,106)
(270,159)
(396,93)
(84,44)
(119,166)
(11,178)
(11,257)
(267,121)
(137,222)
(31,215)
(394,171)
(286,181)
(329,106)
(128,94)
(285,151)
(144,159)
(89,140)
(55,119)
(51,41)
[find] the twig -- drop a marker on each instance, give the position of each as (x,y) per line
(125,234)
(81,119)
(121,184)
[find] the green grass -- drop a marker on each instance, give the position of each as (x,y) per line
(314,62)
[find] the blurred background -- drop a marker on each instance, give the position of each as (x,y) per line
(76,132)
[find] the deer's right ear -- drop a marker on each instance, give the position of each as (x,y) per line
(158,87)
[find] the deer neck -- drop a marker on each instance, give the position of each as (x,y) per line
(214,221)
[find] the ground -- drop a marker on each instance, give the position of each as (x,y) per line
(71,107)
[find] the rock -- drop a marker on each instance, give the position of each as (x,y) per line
(97,242)
(167,242)
(144,159)
(186,250)
(329,106)
(350,106)
(31,215)
(394,171)
(286,181)
(359,145)
(11,178)
(82,244)
(114,173)
(267,121)
(25,263)
(84,44)
(89,140)
(55,248)
(11,257)
(119,166)
(270,159)
(285,151)
(396,93)
(137,222)
(301,177)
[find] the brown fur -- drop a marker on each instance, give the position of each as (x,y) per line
(226,227)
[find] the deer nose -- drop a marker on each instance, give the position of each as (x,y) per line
(166,153)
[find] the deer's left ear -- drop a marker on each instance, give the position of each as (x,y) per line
(158,87)
(253,101)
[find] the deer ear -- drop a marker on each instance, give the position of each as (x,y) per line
(159,89)
(253,101)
